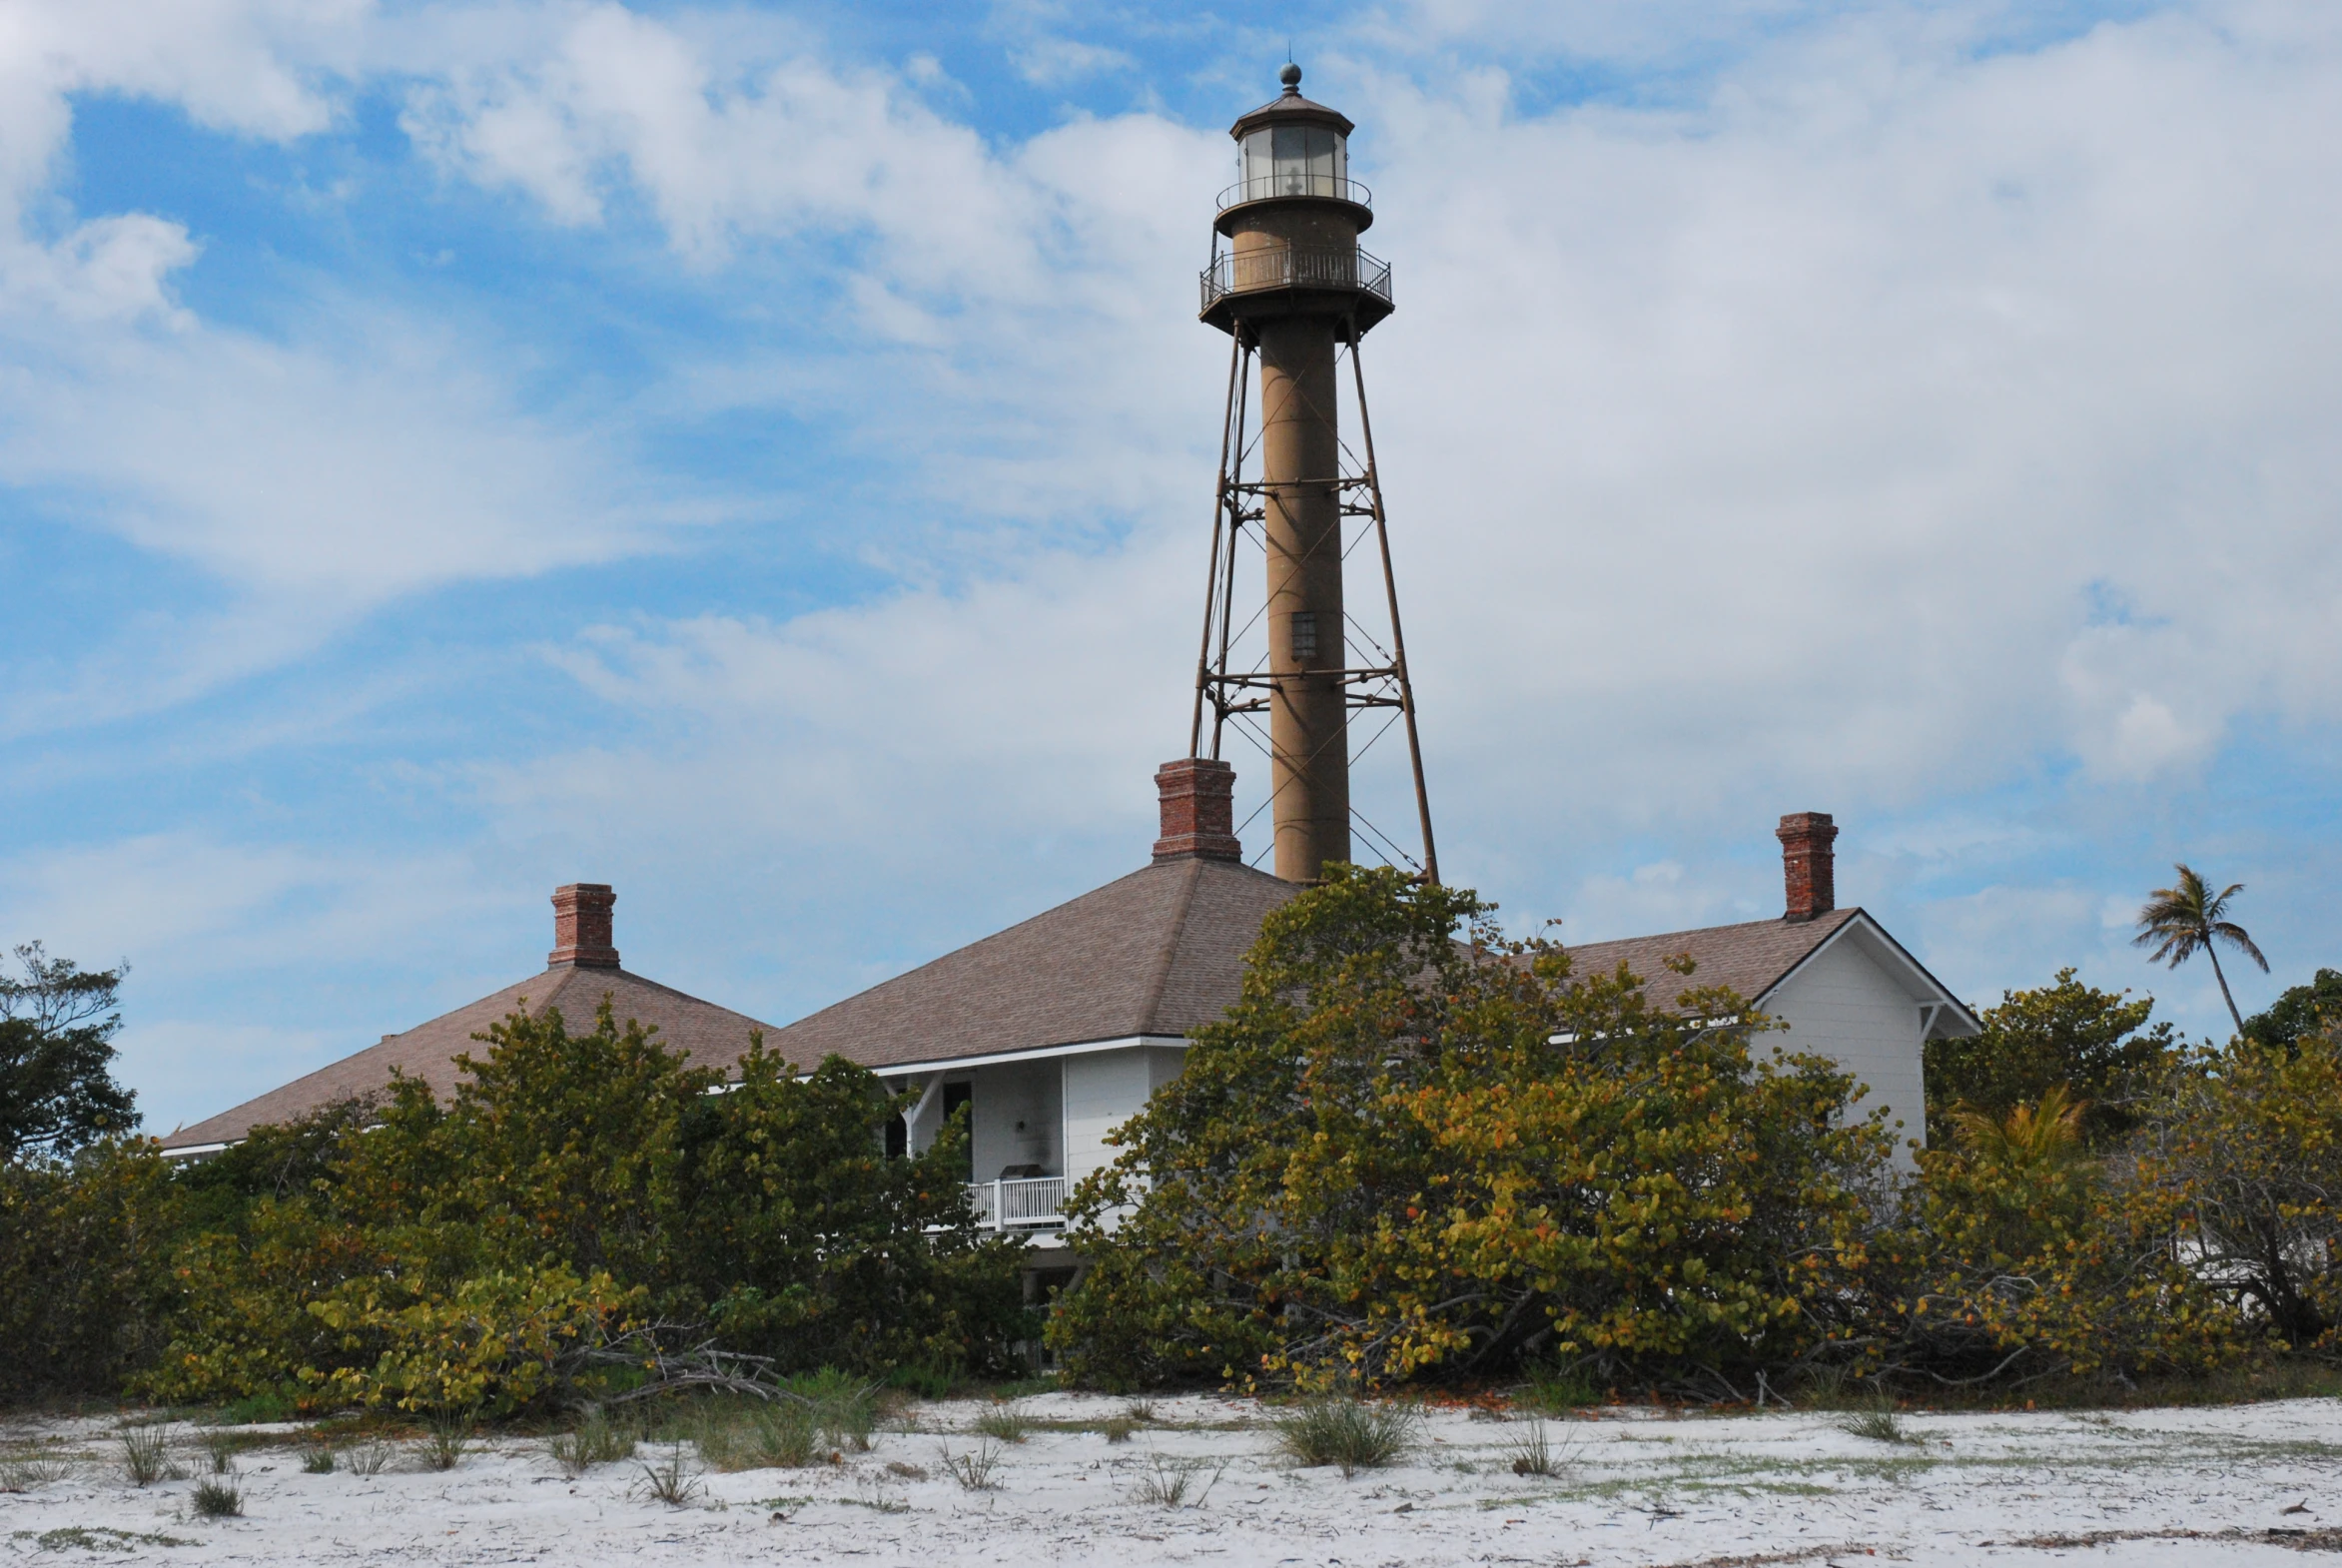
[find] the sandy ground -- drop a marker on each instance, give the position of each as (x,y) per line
(2244,1484)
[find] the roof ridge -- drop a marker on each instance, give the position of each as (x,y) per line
(1150,999)
(1828,919)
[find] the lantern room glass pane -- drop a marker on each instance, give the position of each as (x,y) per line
(1294,160)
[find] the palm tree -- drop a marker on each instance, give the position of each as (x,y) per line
(2044,1135)
(2182,920)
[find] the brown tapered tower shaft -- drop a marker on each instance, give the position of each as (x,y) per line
(1302,531)
(1295,290)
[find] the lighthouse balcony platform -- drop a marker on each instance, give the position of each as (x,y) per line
(1296,279)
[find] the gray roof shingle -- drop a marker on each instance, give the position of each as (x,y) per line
(1155,952)
(700,1030)
(1751,957)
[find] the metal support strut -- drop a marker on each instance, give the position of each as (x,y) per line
(1372,676)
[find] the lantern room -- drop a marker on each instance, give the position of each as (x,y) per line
(1291,148)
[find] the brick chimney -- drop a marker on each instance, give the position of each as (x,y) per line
(582,926)
(1198,811)
(1807,865)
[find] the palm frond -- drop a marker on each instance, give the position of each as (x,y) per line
(2234,934)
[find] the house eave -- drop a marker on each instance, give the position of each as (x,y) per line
(1952,1016)
(1034,1054)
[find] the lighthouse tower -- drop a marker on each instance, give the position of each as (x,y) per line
(1295,294)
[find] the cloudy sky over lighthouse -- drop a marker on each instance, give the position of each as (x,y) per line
(760,457)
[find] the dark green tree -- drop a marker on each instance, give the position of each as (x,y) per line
(2300,1011)
(57,1090)
(2188,918)
(2095,1045)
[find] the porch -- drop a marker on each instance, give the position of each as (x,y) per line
(1018,1203)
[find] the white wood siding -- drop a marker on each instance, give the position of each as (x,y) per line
(1844,1006)
(1015,1117)
(1105,1089)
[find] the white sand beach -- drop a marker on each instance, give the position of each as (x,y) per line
(2239,1484)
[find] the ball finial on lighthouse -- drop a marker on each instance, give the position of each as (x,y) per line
(1291,77)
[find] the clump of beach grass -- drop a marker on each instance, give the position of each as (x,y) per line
(146,1454)
(218,1498)
(672,1481)
(1532,1451)
(1006,1422)
(975,1469)
(845,1408)
(21,1472)
(1553,1389)
(221,1447)
(446,1439)
(596,1439)
(1351,1433)
(1167,1480)
(370,1457)
(1876,1422)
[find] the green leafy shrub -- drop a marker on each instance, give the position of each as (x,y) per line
(2093,1044)
(492,1345)
(1404,1152)
(482,1253)
(85,1249)
(2244,1152)
(2015,1252)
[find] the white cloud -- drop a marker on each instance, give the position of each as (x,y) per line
(254,67)
(359,457)
(1767,450)
(1051,61)
(173,902)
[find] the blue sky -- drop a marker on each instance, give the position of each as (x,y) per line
(758,457)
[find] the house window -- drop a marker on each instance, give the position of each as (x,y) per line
(898,1137)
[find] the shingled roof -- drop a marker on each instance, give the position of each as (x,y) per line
(1156,952)
(700,1030)
(1151,955)
(1751,957)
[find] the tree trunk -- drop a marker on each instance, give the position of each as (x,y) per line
(2226,995)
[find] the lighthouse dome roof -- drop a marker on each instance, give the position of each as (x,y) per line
(1290,107)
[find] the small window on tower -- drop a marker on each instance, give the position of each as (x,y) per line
(1306,635)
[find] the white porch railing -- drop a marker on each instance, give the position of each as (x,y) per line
(1022,1203)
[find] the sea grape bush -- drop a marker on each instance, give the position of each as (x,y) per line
(1413,1148)
(461,1256)
(1412,1151)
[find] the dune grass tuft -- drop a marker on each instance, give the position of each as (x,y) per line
(1351,1433)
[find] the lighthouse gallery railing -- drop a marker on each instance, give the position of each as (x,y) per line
(1296,267)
